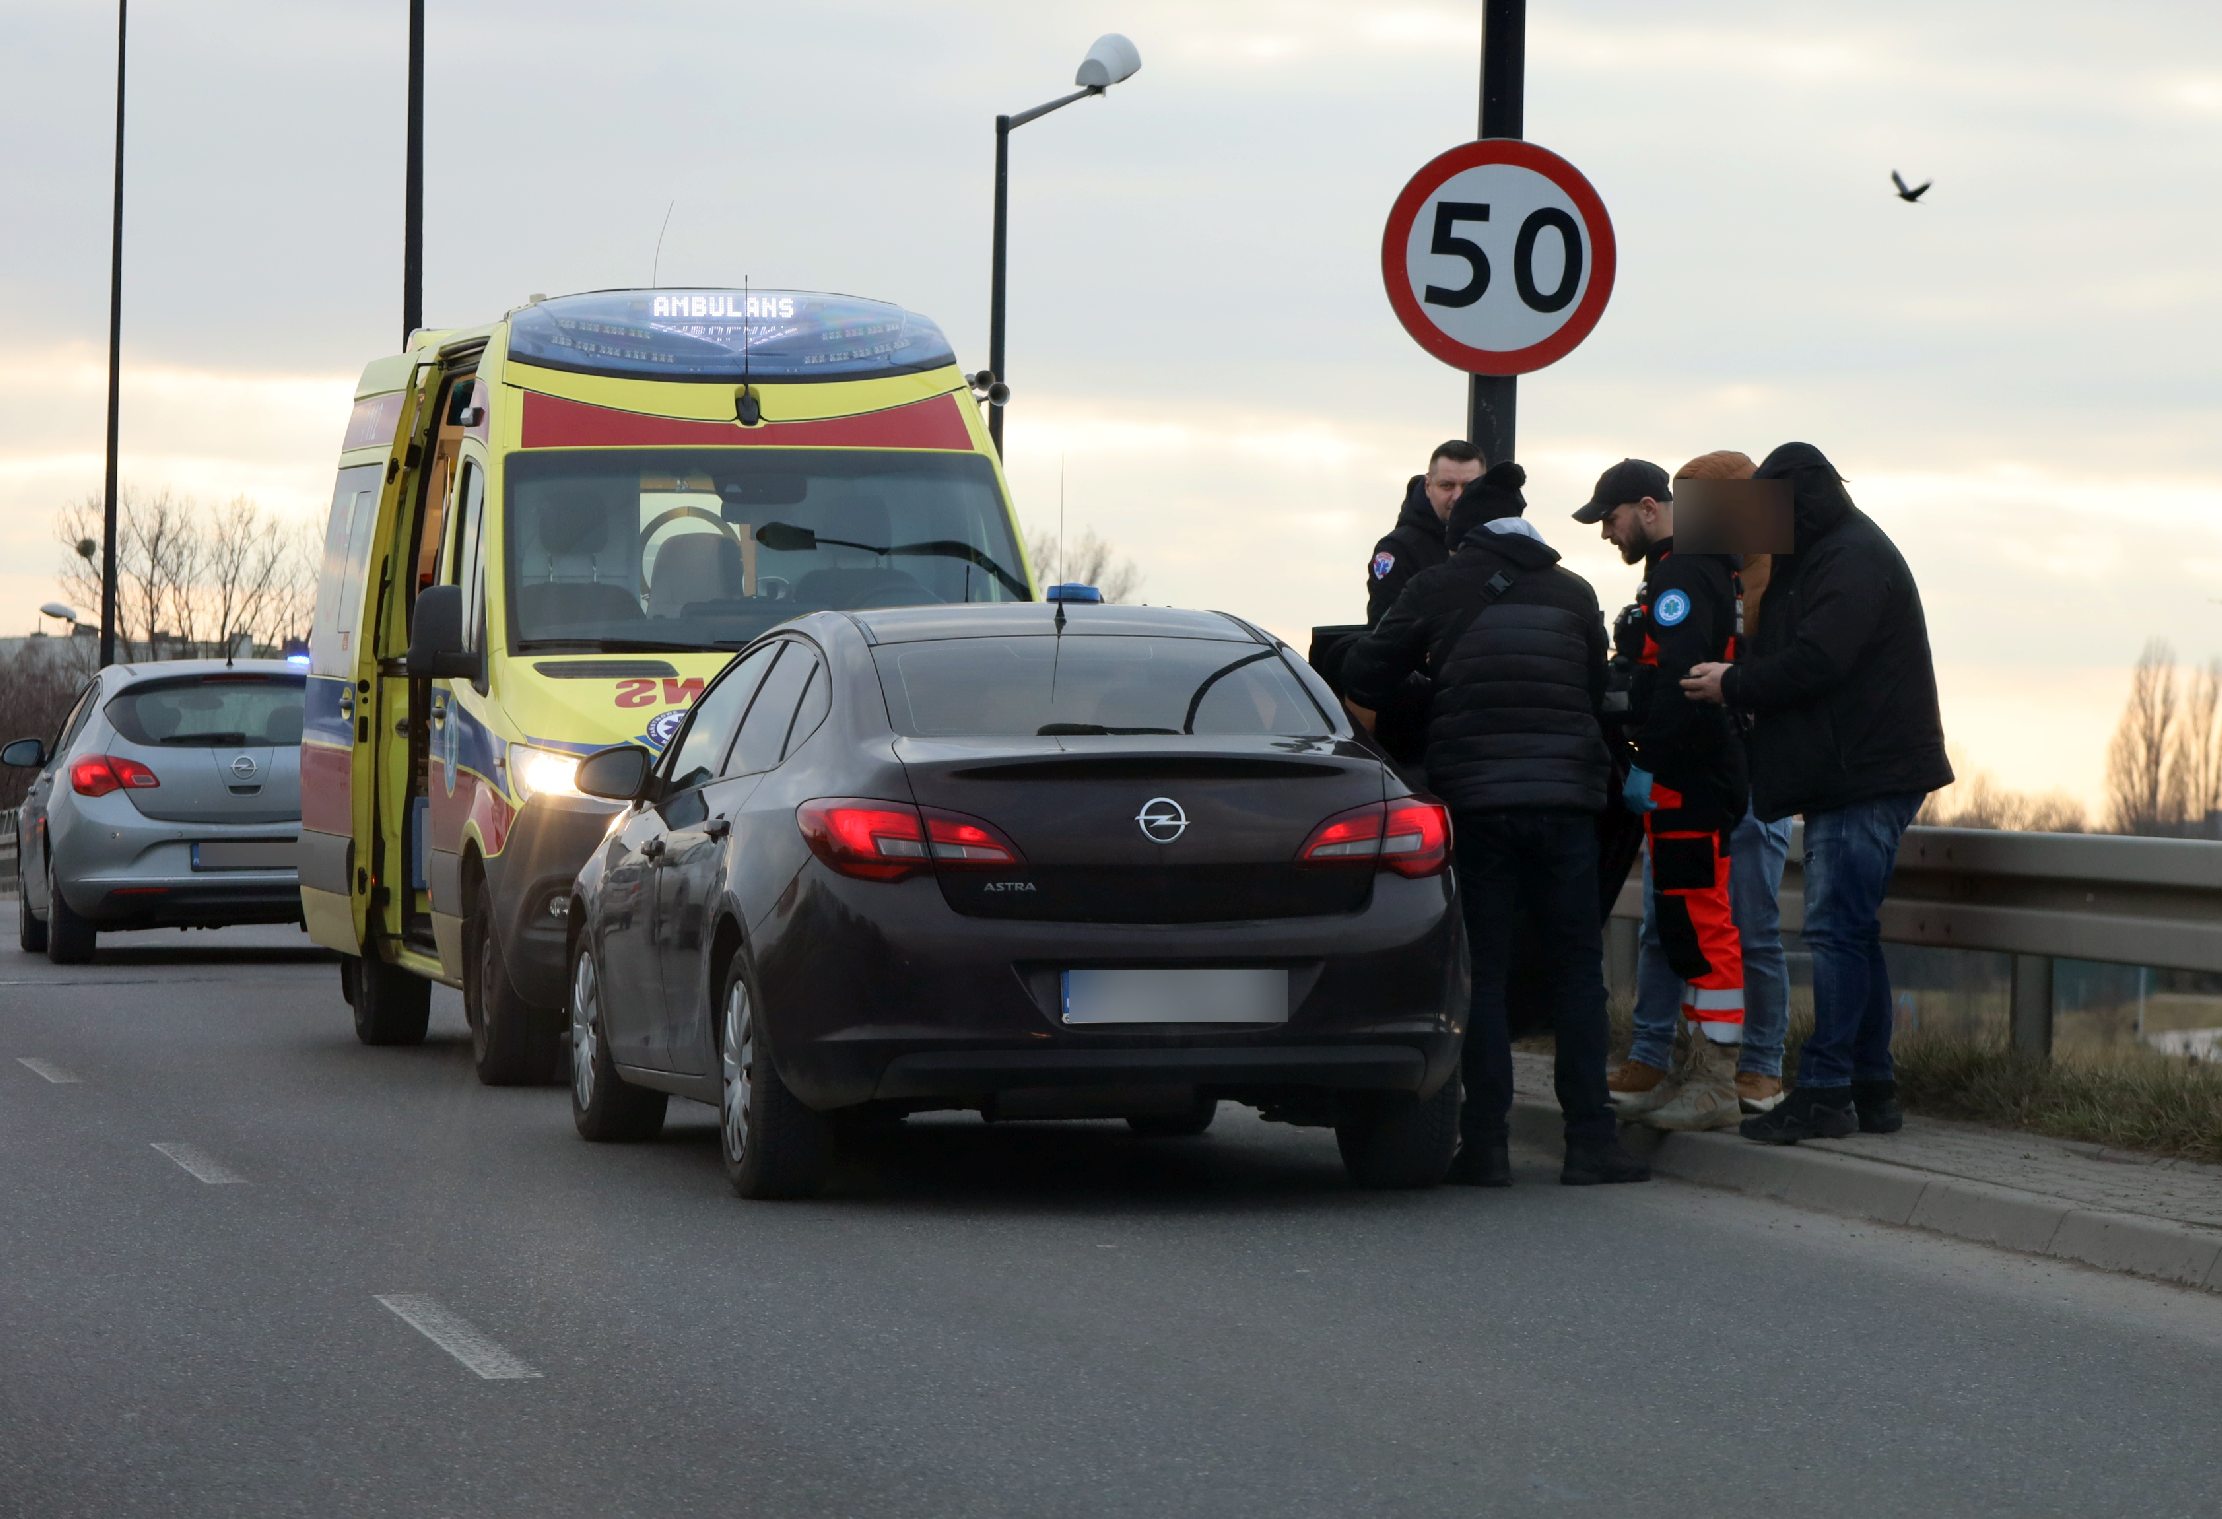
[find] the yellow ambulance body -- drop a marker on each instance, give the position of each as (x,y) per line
(546,536)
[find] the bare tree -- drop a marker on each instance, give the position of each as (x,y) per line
(2140,798)
(1980,802)
(37,684)
(248,566)
(1087,559)
(2196,765)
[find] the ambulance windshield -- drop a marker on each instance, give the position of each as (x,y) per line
(615,549)
(777,336)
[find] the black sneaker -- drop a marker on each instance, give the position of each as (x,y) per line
(1482,1165)
(1600,1163)
(1877,1105)
(1807,1113)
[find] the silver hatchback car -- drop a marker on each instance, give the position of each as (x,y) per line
(171,798)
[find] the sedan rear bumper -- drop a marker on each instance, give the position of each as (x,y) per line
(978,1073)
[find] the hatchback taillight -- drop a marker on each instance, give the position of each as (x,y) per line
(1408,836)
(886,841)
(99,774)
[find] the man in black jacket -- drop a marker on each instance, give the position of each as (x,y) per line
(1846,732)
(1515,649)
(1417,542)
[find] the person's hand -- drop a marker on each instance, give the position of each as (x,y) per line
(1703,683)
(1635,792)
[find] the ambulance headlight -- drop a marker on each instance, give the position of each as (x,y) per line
(541,772)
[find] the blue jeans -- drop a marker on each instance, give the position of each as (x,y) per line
(1757,853)
(1849,854)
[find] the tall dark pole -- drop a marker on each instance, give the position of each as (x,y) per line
(1492,401)
(412,194)
(115,355)
(995,277)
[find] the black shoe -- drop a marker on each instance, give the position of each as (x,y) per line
(1877,1105)
(1600,1163)
(1807,1113)
(1482,1165)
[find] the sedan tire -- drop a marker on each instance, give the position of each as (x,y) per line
(391,1005)
(69,938)
(513,1043)
(1400,1141)
(30,928)
(604,1107)
(773,1145)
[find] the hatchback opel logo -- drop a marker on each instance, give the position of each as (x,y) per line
(243,768)
(1162,820)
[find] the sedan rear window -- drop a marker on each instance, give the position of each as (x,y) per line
(1005,687)
(210,711)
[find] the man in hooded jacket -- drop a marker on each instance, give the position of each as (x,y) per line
(1515,650)
(1846,731)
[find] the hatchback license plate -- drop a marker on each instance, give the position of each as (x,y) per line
(1176,996)
(243,854)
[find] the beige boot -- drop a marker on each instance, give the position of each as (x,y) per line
(1707,1098)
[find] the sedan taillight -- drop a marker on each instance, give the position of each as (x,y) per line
(886,841)
(99,774)
(1408,836)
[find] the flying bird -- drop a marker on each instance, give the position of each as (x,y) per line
(1912,196)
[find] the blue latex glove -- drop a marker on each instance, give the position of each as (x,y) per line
(1636,794)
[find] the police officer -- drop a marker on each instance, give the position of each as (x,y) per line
(1416,542)
(1687,778)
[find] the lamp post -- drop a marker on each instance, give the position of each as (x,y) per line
(1109,61)
(1492,401)
(115,344)
(412,184)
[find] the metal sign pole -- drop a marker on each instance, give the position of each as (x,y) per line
(1492,401)
(412,193)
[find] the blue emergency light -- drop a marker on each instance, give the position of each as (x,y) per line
(1072,591)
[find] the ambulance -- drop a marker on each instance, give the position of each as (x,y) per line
(547,534)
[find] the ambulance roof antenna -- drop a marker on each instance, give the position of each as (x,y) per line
(747,408)
(656,268)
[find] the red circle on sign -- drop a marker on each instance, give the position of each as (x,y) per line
(1596,227)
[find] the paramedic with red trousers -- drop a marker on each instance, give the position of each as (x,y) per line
(1687,777)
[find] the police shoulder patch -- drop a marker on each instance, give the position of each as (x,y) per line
(1383,562)
(1672,607)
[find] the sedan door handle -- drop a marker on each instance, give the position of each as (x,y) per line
(716,828)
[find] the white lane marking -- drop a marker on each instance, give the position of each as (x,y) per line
(46,1068)
(456,1335)
(199,1163)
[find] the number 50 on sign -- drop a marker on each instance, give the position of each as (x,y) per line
(1498,257)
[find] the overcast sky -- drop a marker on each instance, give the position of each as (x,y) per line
(2019,375)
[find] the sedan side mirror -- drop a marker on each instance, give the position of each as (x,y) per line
(436,637)
(24,754)
(615,775)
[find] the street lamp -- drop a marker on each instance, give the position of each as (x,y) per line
(1109,61)
(61,611)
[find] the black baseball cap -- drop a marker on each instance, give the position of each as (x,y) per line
(1629,480)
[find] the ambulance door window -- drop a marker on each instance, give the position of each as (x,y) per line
(469,556)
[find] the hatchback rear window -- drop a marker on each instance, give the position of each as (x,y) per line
(1004,687)
(211,711)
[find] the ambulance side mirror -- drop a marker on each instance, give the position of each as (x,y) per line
(615,775)
(436,637)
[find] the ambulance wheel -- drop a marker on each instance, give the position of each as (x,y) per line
(391,1006)
(513,1043)
(69,938)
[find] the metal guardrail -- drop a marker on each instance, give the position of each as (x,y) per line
(2035,896)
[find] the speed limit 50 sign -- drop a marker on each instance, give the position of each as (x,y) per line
(1498,257)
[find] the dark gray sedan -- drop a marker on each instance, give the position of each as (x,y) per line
(170,798)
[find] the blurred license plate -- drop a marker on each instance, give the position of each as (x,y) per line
(243,854)
(1176,996)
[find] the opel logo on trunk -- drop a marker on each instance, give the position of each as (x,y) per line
(243,768)
(1162,820)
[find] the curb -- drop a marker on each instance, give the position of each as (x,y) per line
(1978,1212)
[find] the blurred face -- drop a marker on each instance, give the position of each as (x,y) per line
(1633,526)
(1446,478)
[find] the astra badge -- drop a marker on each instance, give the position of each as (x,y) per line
(244,768)
(1161,820)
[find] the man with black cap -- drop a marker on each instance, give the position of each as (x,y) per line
(1515,648)
(1847,732)
(1686,780)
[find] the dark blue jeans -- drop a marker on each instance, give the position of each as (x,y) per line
(1534,870)
(1849,853)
